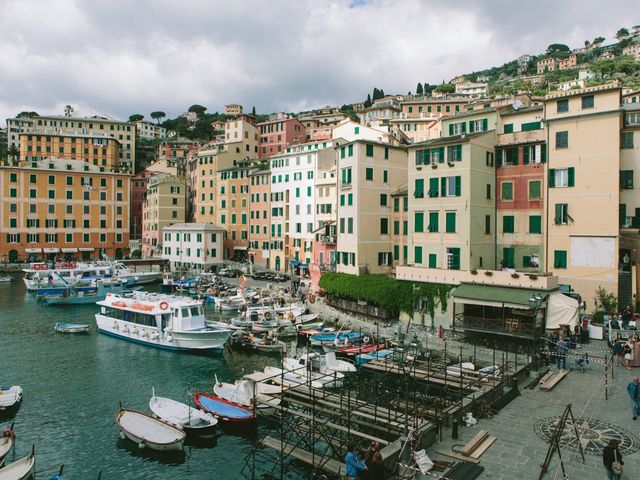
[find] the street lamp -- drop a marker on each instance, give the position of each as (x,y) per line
(535,301)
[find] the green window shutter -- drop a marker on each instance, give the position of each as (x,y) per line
(499,157)
(450,129)
(464,127)
(535,224)
(485,124)
(525,155)
(433,187)
(552,177)
(369,173)
(455,258)
(342,200)
(419,190)
(396,252)
(450,222)
(526,261)
(369,150)
(433,260)
(508,224)
(342,152)
(558,214)
(443,186)
(471,126)
(396,227)
(441,155)
(508,257)
(419,222)
(405,252)
(458,185)
(459,152)
(508,128)
(572,176)
(543,153)
(560,259)
(623,214)
(417,254)
(350,149)
(433,222)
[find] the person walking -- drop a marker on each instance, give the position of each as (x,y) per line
(634,395)
(612,460)
(561,353)
(618,350)
(628,354)
(352,465)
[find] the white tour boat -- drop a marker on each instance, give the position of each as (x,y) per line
(163,321)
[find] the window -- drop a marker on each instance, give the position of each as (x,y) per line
(508,257)
(383,199)
(507,190)
(396,204)
(384,258)
(562,177)
(369,150)
(561,214)
(526,127)
(350,225)
(419,189)
(454,153)
(535,224)
(508,224)
(535,189)
(368,173)
(433,260)
(560,259)
(384,226)
(626,179)
(433,222)
(488,192)
(562,139)
(562,105)
(626,140)
(508,128)
(385,176)
(453,258)
(417,255)
(587,101)
(450,222)
(487,224)
(346,176)
(457,128)
(418,222)
(433,187)
(396,227)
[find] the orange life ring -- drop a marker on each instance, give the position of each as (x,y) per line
(164,305)
(8,433)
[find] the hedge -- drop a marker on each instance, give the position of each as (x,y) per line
(385,292)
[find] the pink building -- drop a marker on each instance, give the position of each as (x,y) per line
(276,135)
(138,192)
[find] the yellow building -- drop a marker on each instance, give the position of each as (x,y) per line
(57,207)
(583,174)
(164,205)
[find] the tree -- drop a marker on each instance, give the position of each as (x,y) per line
(419,90)
(27,114)
(622,33)
(253,111)
(136,117)
(13,152)
(376,94)
(598,40)
(68,110)
(197,109)
(367,102)
(158,115)
(557,48)
(587,43)
(445,88)
(607,301)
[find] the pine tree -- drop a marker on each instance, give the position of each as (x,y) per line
(253,111)
(367,102)
(419,90)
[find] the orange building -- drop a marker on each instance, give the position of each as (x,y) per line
(232,209)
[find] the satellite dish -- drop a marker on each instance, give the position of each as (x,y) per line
(517,104)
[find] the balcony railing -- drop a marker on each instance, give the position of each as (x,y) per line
(509,326)
(328,239)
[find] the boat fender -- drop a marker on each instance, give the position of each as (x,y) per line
(143,333)
(366,340)
(115,325)
(125,329)
(134,331)
(141,445)
(154,335)
(267,315)
(169,338)
(164,305)
(122,435)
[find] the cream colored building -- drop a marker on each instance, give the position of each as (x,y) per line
(368,174)
(164,205)
(150,131)
(583,198)
(233,109)
(192,246)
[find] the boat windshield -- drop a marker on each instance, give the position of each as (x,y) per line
(139,318)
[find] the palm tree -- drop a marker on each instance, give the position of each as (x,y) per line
(13,152)
(68,110)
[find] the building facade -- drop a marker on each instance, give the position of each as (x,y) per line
(278,134)
(192,246)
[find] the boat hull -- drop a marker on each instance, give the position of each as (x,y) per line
(145,442)
(212,341)
(224,409)
(22,469)
(61,328)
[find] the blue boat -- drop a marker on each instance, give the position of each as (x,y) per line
(223,409)
(98,291)
(335,337)
(363,358)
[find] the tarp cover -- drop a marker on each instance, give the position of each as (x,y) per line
(561,310)
(512,297)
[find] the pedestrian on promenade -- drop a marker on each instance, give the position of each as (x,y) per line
(368,455)
(612,460)
(626,317)
(618,350)
(353,466)
(561,353)
(634,395)
(377,470)
(628,354)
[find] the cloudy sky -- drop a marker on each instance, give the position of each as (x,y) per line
(120,57)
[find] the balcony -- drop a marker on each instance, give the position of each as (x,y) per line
(328,239)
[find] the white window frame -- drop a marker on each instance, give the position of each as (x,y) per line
(449,260)
(451,186)
(562,177)
(457,128)
(477,126)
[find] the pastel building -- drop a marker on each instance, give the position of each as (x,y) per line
(278,134)
(324,251)
(232,209)
(150,131)
(260,215)
(384,109)
(400,221)
(192,246)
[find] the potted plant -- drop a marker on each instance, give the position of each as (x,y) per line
(515,275)
(488,273)
(473,272)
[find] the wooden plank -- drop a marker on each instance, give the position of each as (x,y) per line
(483,447)
(473,443)
(316,461)
(546,377)
(457,456)
(553,381)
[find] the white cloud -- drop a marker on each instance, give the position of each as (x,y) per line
(121,57)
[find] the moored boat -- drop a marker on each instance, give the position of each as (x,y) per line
(313,367)
(223,409)
(334,339)
(22,469)
(10,398)
(7,440)
(290,379)
(362,358)
(193,421)
(147,431)
(5,278)
(246,393)
(61,327)
(97,291)
(163,321)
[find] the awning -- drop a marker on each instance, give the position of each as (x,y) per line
(33,250)
(562,310)
(240,248)
(51,250)
(303,265)
(474,294)
(69,250)
(295,263)
(86,249)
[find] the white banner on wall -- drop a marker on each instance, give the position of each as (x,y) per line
(598,252)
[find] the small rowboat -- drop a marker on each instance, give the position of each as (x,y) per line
(191,420)
(10,397)
(223,409)
(6,443)
(6,278)
(71,327)
(355,349)
(22,469)
(147,431)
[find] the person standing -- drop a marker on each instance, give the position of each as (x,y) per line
(376,469)
(352,465)
(561,353)
(618,350)
(628,354)
(626,317)
(634,395)
(611,455)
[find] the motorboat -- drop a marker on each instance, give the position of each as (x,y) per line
(314,367)
(163,321)
(7,441)
(290,379)
(317,330)
(247,393)
(362,358)
(363,347)
(149,432)
(193,421)
(223,409)
(335,338)
(71,327)
(10,397)
(456,370)
(22,469)
(98,290)
(6,278)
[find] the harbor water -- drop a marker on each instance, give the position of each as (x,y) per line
(73,385)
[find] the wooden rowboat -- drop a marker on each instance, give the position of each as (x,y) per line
(61,327)
(223,409)
(22,469)
(148,431)
(193,421)
(7,441)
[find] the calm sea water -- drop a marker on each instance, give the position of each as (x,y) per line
(74,383)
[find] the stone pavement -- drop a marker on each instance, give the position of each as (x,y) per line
(518,451)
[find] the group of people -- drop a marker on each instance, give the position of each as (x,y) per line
(369,466)
(624,319)
(627,351)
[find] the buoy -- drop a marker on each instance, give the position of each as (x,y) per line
(164,305)
(143,333)
(134,331)
(169,338)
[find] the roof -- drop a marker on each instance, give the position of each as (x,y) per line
(192,226)
(468,113)
(514,297)
(511,111)
(583,91)
(450,139)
